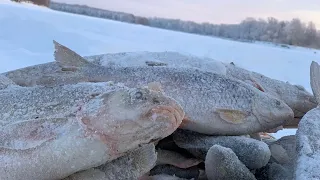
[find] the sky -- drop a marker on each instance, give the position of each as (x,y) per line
(213,11)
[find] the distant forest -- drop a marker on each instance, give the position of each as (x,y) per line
(294,32)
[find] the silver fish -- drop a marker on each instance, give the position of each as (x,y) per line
(51,133)
(222,163)
(295,96)
(175,159)
(5,82)
(214,104)
(133,165)
(162,177)
(308,133)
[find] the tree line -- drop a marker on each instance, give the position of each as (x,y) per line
(294,32)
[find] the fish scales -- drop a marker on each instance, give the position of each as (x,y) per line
(212,86)
(213,103)
(24,103)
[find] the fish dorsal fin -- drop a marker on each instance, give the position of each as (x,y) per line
(5,82)
(29,134)
(155,63)
(67,59)
(315,80)
(232,116)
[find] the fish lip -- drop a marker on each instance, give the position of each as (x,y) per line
(170,111)
(274,120)
(303,107)
(313,100)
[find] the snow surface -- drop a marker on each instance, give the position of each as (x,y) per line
(27,31)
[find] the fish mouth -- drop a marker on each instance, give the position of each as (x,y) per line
(174,113)
(278,119)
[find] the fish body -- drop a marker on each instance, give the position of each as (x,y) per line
(307,136)
(223,163)
(214,104)
(295,96)
(133,165)
(53,132)
(175,159)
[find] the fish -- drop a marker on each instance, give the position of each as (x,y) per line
(162,177)
(295,96)
(5,82)
(133,165)
(175,159)
(199,144)
(54,132)
(187,173)
(222,163)
(213,104)
(307,135)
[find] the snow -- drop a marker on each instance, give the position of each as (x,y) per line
(27,32)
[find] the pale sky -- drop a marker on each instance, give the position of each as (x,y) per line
(214,11)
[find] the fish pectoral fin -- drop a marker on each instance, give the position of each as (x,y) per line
(67,59)
(155,63)
(5,82)
(30,133)
(185,122)
(155,86)
(232,116)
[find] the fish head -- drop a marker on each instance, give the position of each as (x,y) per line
(271,112)
(135,116)
(299,99)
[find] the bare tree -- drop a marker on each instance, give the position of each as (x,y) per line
(37,2)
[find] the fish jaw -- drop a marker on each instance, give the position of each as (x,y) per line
(124,122)
(302,104)
(296,97)
(270,112)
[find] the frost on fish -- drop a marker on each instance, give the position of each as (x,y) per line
(161,177)
(23,103)
(168,58)
(24,76)
(187,173)
(283,151)
(214,104)
(199,144)
(5,82)
(308,146)
(132,165)
(295,96)
(48,153)
(223,163)
(175,159)
(307,136)
(24,135)
(70,128)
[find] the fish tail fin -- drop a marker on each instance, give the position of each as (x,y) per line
(67,59)
(5,82)
(315,80)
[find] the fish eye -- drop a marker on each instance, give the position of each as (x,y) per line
(278,103)
(155,101)
(138,95)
